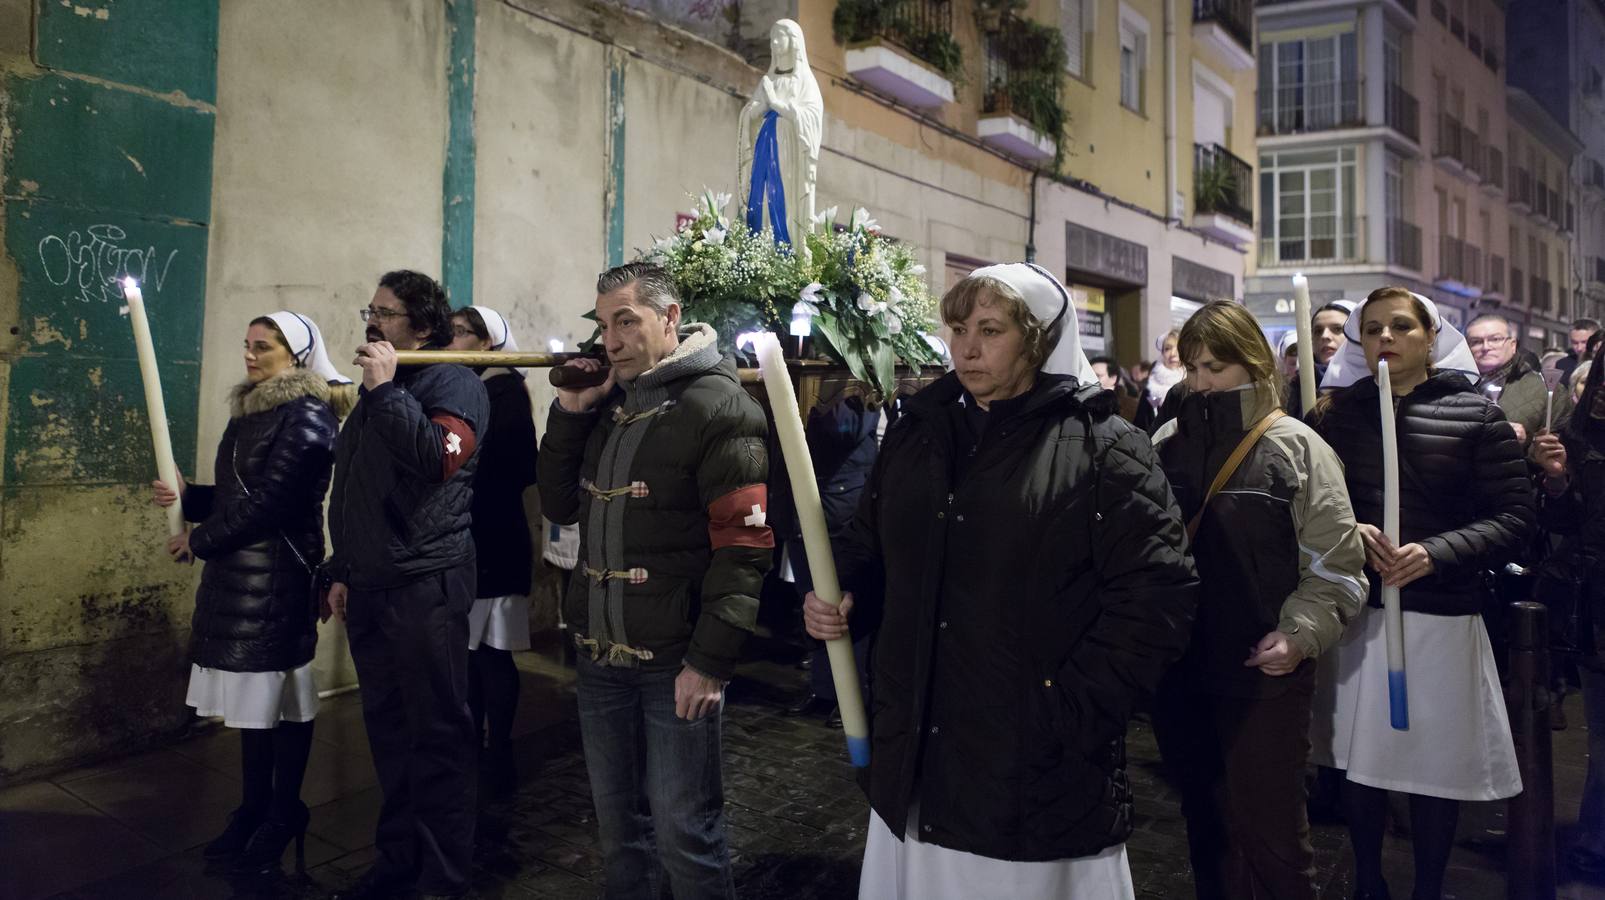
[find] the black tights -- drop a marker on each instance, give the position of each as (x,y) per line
(1432,836)
(274,763)
(493,694)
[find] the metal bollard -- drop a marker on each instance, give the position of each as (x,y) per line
(1530,868)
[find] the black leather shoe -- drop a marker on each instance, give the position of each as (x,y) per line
(242,823)
(267,846)
(811,705)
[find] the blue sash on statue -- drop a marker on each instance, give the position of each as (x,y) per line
(766,183)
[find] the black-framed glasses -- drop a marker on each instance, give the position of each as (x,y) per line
(369,313)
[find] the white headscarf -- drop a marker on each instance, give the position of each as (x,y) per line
(1449,351)
(1049,303)
(306,344)
(501,337)
(1288,341)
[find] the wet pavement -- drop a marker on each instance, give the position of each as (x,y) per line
(133,827)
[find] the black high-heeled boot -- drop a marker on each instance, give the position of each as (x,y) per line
(267,845)
(242,823)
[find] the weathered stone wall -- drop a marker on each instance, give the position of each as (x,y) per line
(106,125)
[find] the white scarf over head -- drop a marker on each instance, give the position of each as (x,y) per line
(501,337)
(1049,303)
(306,344)
(1449,351)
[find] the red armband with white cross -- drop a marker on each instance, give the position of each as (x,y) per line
(741,519)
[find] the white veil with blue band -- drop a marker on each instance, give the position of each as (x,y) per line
(306,344)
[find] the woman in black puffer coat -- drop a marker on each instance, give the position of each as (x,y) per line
(1466,505)
(260,532)
(1019,549)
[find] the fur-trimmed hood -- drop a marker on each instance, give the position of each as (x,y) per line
(248,399)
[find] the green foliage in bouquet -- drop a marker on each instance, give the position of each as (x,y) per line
(864,293)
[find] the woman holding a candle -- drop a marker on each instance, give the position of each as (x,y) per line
(1282,568)
(1465,504)
(1020,556)
(503,506)
(260,532)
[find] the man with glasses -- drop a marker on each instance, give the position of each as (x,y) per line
(1510,377)
(403,572)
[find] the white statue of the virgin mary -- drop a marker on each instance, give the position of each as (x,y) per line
(780,134)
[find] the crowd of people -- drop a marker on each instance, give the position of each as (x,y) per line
(1033,549)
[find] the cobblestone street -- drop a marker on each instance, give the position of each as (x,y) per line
(132,828)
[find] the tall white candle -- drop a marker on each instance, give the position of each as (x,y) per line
(1306,342)
(1392,617)
(155,407)
(816,537)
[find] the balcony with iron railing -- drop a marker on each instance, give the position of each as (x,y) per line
(1329,241)
(1450,137)
(1496,274)
(1020,111)
(1518,287)
(1404,244)
(905,51)
(1471,152)
(1236,16)
(1538,290)
(1222,183)
(1403,112)
(1459,262)
(1303,108)
(1493,175)
(1520,188)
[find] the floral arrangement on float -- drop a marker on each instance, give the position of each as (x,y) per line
(861,295)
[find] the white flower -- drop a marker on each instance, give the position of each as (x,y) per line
(828,215)
(916,269)
(714,236)
(893,323)
(895,296)
(721,200)
(862,220)
(810,294)
(870,304)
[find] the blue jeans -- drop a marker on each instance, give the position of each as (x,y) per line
(653,775)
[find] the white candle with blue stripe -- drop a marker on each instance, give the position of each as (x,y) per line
(1392,617)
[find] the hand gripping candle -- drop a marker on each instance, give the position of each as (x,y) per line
(1392,618)
(1306,342)
(816,538)
(155,407)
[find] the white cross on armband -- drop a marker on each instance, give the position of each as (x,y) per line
(454,444)
(758,519)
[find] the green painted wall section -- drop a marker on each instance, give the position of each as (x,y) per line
(146,43)
(457,248)
(613,193)
(103,183)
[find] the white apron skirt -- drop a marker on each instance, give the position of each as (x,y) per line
(910,870)
(253,699)
(1458,745)
(500,622)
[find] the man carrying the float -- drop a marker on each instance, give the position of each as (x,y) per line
(663,466)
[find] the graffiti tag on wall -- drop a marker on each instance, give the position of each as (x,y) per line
(92,264)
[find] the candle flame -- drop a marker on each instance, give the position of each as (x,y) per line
(130,282)
(556,345)
(749,339)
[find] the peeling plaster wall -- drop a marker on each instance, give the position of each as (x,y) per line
(93,617)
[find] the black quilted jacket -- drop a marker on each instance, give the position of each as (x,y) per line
(394,516)
(1029,595)
(254,611)
(1464,493)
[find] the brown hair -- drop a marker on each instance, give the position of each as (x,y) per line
(1231,334)
(960,301)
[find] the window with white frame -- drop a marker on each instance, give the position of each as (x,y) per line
(1133,59)
(1075,23)
(1307,207)
(1308,83)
